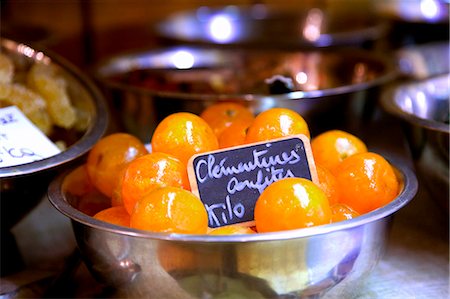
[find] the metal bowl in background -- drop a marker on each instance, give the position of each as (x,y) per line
(423,106)
(330,89)
(261,25)
(331,260)
(23,186)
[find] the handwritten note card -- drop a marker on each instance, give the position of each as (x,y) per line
(20,140)
(230,181)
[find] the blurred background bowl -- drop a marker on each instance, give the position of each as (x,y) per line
(423,107)
(330,89)
(308,25)
(23,186)
(330,260)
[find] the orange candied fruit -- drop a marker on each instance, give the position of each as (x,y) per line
(341,212)
(221,115)
(276,123)
(367,181)
(328,184)
(183,135)
(107,157)
(331,147)
(234,135)
(114,215)
(231,230)
(149,172)
(170,210)
(291,203)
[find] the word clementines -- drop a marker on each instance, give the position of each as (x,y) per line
(166,190)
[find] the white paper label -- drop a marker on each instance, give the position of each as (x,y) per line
(20,140)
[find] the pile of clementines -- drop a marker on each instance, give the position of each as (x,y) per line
(150,190)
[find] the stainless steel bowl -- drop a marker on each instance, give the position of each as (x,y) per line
(331,260)
(423,106)
(331,89)
(262,25)
(22,186)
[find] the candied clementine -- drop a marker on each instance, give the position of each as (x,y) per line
(182,135)
(341,212)
(291,203)
(234,135)
(231,230)
(367,181)
(108,156)
(114,215)
(275,123)
(331,147)
(151,171)
(170,210)
(77,181)
(328,184)
(221,115)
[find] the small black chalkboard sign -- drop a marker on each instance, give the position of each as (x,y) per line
(229,181)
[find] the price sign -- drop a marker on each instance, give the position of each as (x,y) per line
(20,140)
(230,181)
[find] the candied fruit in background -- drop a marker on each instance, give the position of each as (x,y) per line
(331,147)
(29,102)
(149,172)
(367,181)
(170,210)
(6,69)
(45,80)
(276,123)
(107,158)
(291,203)
(221,115)
(183,135)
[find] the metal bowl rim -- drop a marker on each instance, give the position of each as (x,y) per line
(80,147)
(371,32)
(410,186)
(390,73)
(387,101)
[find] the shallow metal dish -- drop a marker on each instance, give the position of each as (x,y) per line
(277,27)
(330,260)
(423,106)
(328,88)
(22,186)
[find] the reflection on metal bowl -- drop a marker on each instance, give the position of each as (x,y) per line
(264,25)
(330,260)
(424,107)
(24,185)
(323,86)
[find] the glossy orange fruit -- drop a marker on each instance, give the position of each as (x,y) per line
(221,115)
(151,171)
(291,203)
(341,212)
(275,123)
(170,210)
(114,215)
(231,230)
(328,184)
(234,135)
(182,135)
(108,156)
(331,147)
(366,181)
